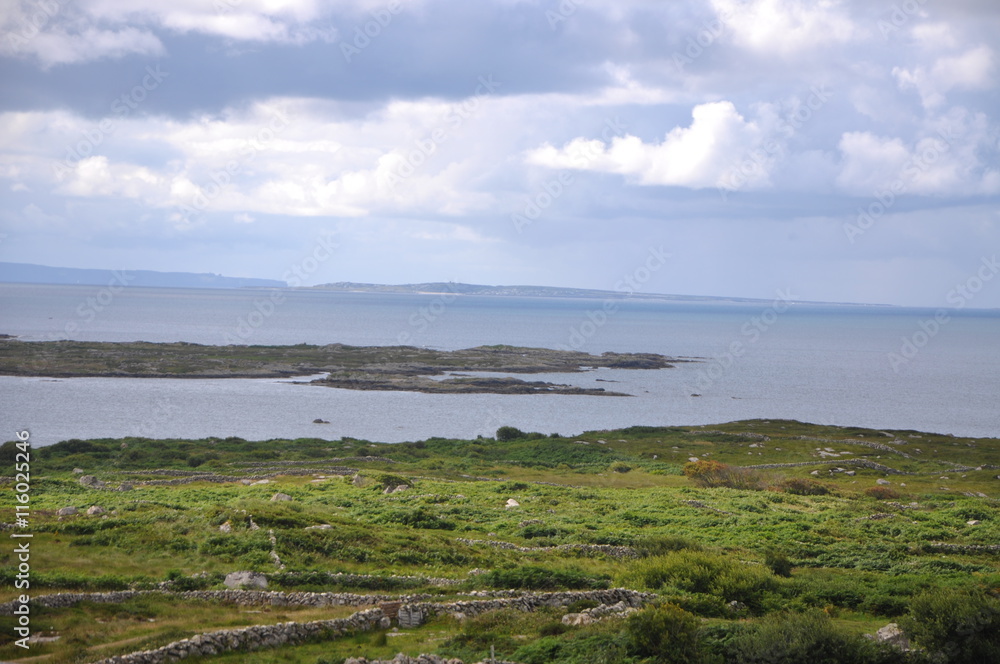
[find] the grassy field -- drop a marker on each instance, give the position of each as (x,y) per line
(792,532)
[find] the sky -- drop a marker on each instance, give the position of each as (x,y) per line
(830,150)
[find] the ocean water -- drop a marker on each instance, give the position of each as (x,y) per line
(878,367)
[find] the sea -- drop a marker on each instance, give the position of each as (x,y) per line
(929,370)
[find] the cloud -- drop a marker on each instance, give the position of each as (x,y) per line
(782,27)
(972,70)
(55,33)
(946,160)
(697,156)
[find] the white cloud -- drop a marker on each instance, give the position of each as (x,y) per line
(946,159)
(972,70)
(785,26)
(701,155)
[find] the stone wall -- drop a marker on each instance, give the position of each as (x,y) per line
(254,638)
(414,614)
(240,597)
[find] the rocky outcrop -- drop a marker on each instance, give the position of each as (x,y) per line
(893,635)
(238,580)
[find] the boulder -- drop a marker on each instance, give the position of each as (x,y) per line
(91,482)
(280,497)
(893,635)
(576,619)
(67,511)
(253,580)
(512,503)
(883,482)
(973,522)
(95,510)
(227,527)
(78,471)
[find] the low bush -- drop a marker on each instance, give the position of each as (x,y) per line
(702,572)
(804,637)
(709,474)
(665,633)
(882,493)
(961,626)
(803,487)
(532,577)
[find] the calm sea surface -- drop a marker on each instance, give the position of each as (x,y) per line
(824,364)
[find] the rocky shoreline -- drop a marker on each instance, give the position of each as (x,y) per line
(378,368)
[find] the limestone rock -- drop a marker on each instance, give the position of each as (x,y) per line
(576,619)
(512,503)
(973,522)
(893,635)
(883,482)
(227,527)
(91,482)
(95,510)
(78,471)
(280,497)
(246,580)
(67,511)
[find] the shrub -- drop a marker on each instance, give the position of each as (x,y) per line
(658,545)
(701,572)
(803,637)
(882,493)
(420,517)
(532,577)
(803,487)
(620,467)
(506,434)
(665,633)
(778,563)
(963,626)
(385,480)
(715,474)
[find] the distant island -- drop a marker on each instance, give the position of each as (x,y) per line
(28,273)
(451,288)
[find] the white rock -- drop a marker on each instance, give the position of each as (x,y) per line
(882,482)
(693,459)
(512,503)
(245,580)
(227,527)
(67,511)
(973,522)
(280,497)
(95,510)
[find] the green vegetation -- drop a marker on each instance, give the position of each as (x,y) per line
(772,563)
